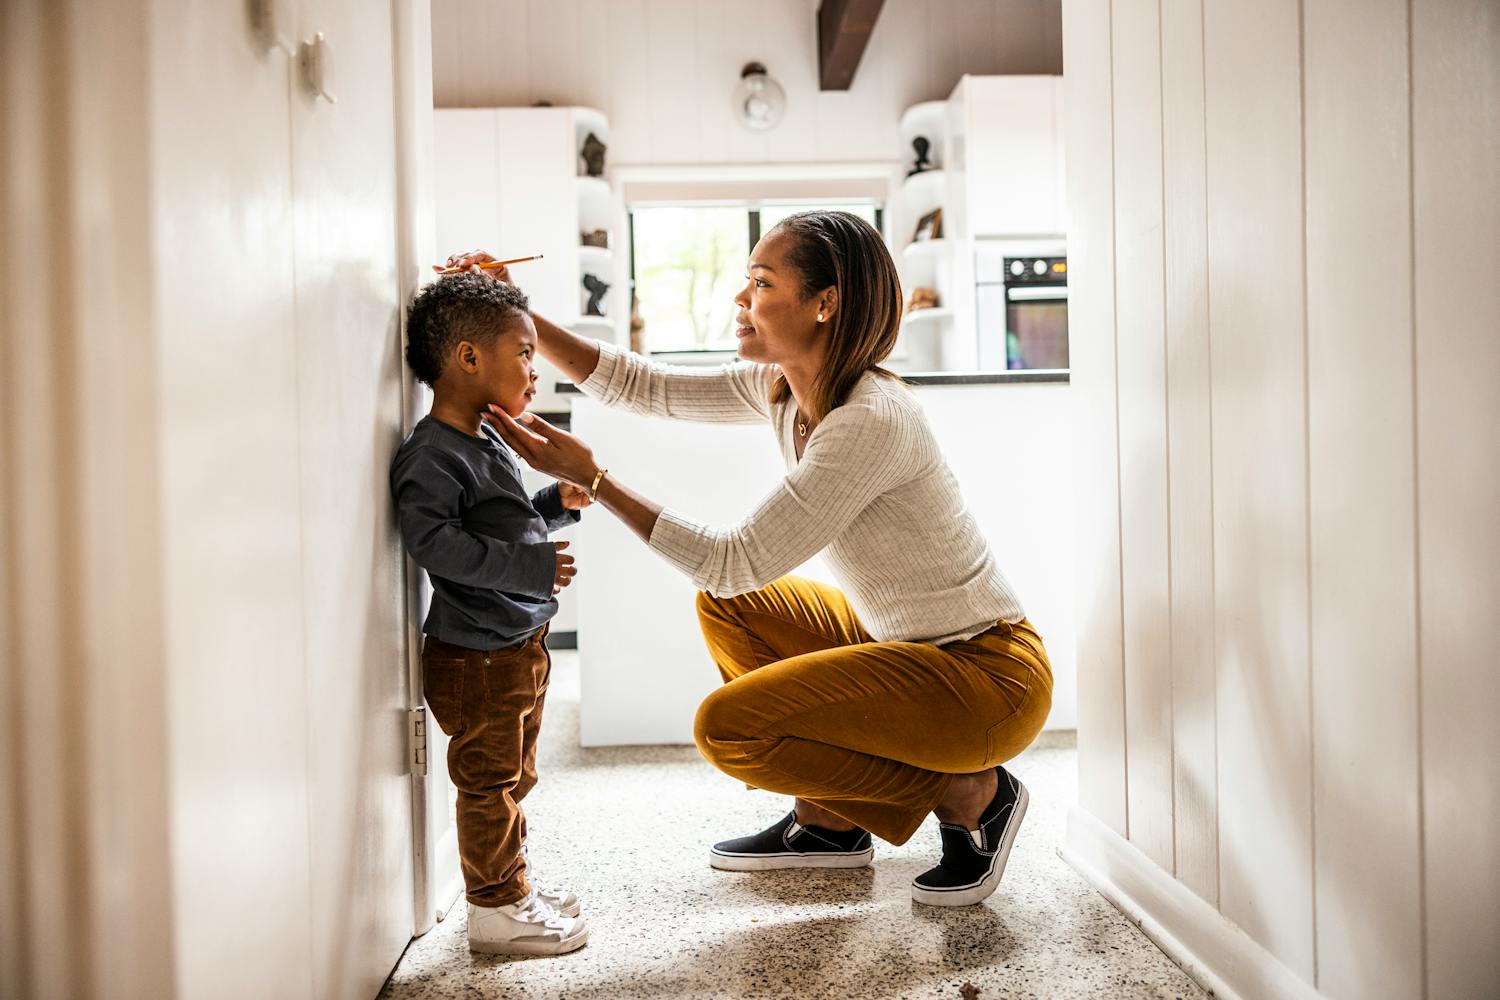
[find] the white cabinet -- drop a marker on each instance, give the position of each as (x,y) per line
(511,181)
(1006,156)
(995,153)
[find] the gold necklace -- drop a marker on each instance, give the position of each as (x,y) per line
(801,425)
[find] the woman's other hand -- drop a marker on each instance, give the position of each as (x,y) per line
(470,262)
(574,497)
(545,448)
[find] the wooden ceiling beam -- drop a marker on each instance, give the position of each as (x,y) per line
(844,28)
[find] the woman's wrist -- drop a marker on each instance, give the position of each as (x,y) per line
(595,482)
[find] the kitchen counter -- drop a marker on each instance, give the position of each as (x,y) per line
(1054,376)
(644,666)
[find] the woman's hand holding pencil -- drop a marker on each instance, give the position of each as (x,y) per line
(460,262)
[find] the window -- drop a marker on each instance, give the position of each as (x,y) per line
(687,263)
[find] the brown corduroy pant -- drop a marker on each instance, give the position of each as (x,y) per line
(490,705)
(871,731)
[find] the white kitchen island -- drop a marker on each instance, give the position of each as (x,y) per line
(644,665)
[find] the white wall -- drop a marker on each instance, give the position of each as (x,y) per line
(203,600)
(663,70)
(1285,231)
(645,668)
(280,406)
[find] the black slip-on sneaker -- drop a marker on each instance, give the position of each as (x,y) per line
(789,844)
(974,860)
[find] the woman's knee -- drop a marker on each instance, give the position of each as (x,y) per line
(719,720)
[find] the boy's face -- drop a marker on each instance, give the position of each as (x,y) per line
(502,372)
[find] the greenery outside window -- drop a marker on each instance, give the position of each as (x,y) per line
(687,262)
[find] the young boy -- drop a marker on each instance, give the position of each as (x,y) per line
(466,519)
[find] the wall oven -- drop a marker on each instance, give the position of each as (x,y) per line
(1022,305)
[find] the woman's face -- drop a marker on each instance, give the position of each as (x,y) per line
(776,325)
(505,373)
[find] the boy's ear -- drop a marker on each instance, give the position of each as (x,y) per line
(467,356)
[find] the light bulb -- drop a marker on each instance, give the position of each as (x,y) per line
(759,101)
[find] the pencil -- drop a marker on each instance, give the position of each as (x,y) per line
(491,264)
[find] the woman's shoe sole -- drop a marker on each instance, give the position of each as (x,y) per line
(981,890)
(775,862)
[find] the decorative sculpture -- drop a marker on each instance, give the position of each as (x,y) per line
(596,287)
(929,226)
(921,145)
(921,298)
(593,155)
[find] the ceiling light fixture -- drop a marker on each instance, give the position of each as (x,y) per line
(759,101)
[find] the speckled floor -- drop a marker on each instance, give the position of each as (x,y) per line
(629,829)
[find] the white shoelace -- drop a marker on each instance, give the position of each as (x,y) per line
(536,910)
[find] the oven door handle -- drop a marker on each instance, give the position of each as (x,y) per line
(1036,293)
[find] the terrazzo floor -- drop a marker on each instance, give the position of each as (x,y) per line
(629,828)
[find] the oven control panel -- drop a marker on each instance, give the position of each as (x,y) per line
(1036,270)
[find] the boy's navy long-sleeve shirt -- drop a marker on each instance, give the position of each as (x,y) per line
(466,519)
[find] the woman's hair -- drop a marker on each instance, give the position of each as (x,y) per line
(843,251)
(466,306)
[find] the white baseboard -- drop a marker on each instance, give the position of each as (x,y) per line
(1214,951)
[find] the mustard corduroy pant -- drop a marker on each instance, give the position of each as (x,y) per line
(873,731)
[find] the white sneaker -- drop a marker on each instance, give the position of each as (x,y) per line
(559,897)
(528,926)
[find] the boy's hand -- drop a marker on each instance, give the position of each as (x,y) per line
(565,569)
(574,497)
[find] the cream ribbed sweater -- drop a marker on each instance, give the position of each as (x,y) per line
(872,492)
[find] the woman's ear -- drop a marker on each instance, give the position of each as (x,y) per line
(828,304)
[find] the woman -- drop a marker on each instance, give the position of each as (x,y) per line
(900,695)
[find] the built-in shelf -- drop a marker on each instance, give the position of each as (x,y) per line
(601,327)
(596,260)
(927,317)
(596,188)
(925,248)
(926,187)
(928,119)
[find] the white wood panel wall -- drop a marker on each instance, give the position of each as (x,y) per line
(663,70)
(1142,408)
(1294,341)
(83,764)
(1195,784)
(1257,344)
(1361,495)
(1091,312)
(1455,121)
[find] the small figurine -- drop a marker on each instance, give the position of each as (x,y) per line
(921,298)
(596,288)
(593,155)
(921,145)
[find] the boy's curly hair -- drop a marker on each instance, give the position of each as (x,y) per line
(458,307)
